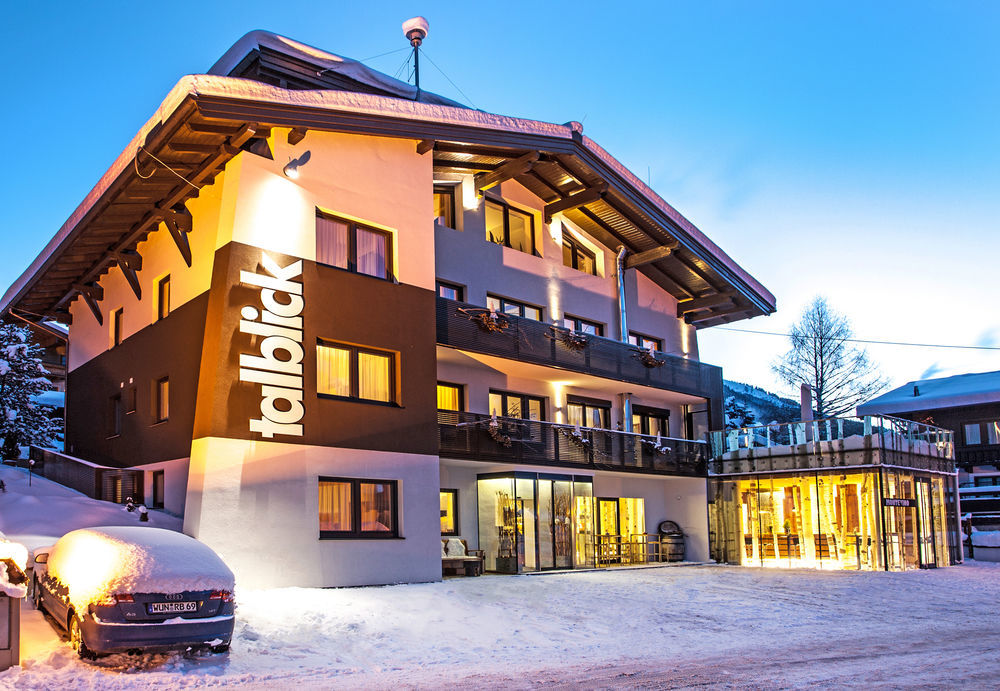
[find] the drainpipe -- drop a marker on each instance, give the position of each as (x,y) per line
(623,330)
(620,278)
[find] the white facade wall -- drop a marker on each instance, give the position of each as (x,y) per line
(257,505)
(175,476)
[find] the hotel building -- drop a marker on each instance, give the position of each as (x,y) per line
(328,318)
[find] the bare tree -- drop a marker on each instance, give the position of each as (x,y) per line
(841,375)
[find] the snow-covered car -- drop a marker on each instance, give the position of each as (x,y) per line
(118,589)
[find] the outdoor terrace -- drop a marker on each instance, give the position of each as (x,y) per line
(473,328)
(832,443)
(481,437)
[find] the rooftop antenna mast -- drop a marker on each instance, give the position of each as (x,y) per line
(415,30)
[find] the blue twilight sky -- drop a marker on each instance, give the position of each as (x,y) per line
(845,150)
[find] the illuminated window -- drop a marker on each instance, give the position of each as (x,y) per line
(972,435)
(651,421)
(117,318)
(449,397)
(162,404)
(588,413)
(351,508)
(449,512)
(444,205)
(513,308)
(583,326)
(162,297)
(506,404)
(347,371)
(645,342)
(352,246)
(450,291)
(578,257)
(510,227)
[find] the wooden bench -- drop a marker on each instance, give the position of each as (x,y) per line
(469,563)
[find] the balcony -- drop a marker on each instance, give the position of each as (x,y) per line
(832,443)
(538,343)
(480,437)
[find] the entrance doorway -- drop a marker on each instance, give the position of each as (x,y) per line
(925,511)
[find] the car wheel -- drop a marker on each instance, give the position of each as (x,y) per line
(219,649)
(76,639)
(36,594)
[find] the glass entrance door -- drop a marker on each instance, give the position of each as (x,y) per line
(925,513)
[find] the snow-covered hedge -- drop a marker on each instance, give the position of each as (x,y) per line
(98,562)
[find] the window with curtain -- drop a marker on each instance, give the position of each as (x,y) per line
(645,342)
(583,326)
(513,308)
(588,413)
(355,508)
(348,371)
(450,291)
(578,257)
(449,397)
(444,205)
(352,246)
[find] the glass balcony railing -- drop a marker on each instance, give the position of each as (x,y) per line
(472,328)
(833,442)
(480,437)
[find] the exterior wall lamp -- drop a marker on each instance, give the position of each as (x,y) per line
(291,169)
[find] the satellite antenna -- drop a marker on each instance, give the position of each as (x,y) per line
(415,30)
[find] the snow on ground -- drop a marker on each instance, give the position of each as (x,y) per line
(38,515)
(660,627)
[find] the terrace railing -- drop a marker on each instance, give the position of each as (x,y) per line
(898,441)
(460,325)
(480,437)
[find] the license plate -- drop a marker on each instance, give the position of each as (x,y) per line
(172,607)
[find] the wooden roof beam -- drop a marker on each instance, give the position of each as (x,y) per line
(425,145)
(507,171)
(575,201)
(653,255)
(130,263)
(91,293)
(179,223)
(700,319)
(700,303)
(296,135)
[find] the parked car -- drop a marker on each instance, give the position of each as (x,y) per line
(118,589)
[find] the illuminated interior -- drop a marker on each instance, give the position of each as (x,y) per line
(831,520)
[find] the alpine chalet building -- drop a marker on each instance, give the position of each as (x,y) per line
(329,318)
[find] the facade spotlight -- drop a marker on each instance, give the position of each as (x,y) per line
(291,170)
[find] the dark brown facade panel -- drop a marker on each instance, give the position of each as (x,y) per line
(338,306)
(167,348)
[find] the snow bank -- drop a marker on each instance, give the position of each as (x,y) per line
(986,538)
(97,562)
(18,554)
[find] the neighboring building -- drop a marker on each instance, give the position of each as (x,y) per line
(969,404)
(369,317)
(869,494)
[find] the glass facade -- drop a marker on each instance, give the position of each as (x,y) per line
(859,518)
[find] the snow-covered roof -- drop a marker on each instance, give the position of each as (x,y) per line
(928,394)
(324,62)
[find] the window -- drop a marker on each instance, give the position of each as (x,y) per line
(116,327)
(157,489)
(510,227)
(578,257)
(972,436)
(586,412)
(129,399)
(162,297)
(115,415)
(352,246)
(450,291)
(357,508)
(524,407)
(583,326)
(449,512)
(651,421)
(514,308)
(450,397)
(444,205)
(161,408)
(347,371)
(645,342)
(993,432)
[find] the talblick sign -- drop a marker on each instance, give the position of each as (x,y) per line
(896,501)
(277,365)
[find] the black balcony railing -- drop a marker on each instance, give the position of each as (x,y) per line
(527,340)
(479,437)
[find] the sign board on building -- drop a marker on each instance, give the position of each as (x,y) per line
(896,501)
